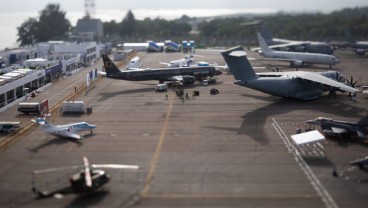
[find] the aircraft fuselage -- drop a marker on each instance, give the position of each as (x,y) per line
(308,58)
(164,74)
(286,87)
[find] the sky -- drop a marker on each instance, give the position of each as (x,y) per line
(13,13)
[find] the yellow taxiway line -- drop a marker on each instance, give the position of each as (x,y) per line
(156,155)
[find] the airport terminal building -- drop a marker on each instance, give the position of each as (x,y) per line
(15,85)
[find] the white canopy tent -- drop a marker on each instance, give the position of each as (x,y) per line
(310,143)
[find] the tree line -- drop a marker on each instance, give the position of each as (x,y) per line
(53,25)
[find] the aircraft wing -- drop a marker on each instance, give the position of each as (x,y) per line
(338,130)
(272,59)
(313,77)
(284,45)
(168,64)
(70,134)
(316,77)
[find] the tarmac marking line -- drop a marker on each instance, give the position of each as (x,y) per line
(156,155)
(317,185)
(229,196)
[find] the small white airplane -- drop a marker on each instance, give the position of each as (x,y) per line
(135,63)
(296,58)
(184,62)
(67,130)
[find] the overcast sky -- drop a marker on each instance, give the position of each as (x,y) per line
(14,12)
(284,5)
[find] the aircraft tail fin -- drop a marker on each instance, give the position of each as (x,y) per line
(266,34)
(349,38)
(263,44)
(238,63)
(110,67)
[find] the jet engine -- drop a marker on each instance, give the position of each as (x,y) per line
(297,63)
(360,52)
(188,79)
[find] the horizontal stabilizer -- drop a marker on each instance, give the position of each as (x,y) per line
(238,53)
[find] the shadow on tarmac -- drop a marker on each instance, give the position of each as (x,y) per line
(106,96)
(254,121)
(55,141)
(89,199)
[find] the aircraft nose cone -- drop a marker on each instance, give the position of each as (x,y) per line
(92,126)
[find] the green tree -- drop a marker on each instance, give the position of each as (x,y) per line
(51,24)
(27,32)
(128,25)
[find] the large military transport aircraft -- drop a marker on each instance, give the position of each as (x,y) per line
(296,58)
(359,47)
(186,75)
(342,128)
(294,84)
(292,45)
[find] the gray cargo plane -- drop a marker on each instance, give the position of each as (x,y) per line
(342,128)
(296,58)
(294,84)
(293,45)
(359,47)
(185,75)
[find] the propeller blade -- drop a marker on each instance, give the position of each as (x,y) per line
(115,166)
(355,83)
(87,172)
(56,169)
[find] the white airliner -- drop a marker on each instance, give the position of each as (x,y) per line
(296,58)
(67,130)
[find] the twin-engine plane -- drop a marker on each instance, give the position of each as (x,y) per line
(67,130)
(294,84)
(185,75)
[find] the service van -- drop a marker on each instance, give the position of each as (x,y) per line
(161,87)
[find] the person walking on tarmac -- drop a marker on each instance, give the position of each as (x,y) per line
(166,95)
(193,95)
(187,96)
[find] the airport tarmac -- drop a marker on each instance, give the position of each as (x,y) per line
(225,150)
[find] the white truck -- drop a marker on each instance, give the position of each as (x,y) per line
(161,87)
(27,108)
(75,107)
